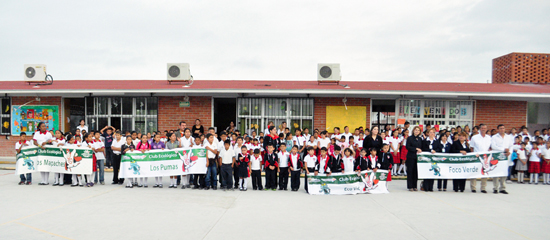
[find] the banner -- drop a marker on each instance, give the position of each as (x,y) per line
(456,165)
(338,183)
(155,163)
(26,118)
(68,160)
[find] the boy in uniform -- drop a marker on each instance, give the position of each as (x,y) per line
(18,145)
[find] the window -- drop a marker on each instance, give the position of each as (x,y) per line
(436,112)
(255,113)
(124,113)
(5,116)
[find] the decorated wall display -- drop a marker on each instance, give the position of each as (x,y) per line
(341,116)
(26,118)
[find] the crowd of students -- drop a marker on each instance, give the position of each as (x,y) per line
(235,156)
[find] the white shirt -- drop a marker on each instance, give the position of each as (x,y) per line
(322,163)
(306,136)
(221,146)
(395,143)
(42,137)
(311,144)
(82,128)
(533,156)
(118,144)
(546,154)
(481,144)
(348,164)
(136,141)
(99,144)
(237,149)
(499,143)
(310,160)
(294,160)
(347,135)
(255,163)
(323,142)
(187,142)
(214,146)
(214,143)
(523,136)
(337,136)
(299,140)
(19,143)
(227,155)
(56,142)
(283,158)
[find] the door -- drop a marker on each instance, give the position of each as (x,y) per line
(225,112)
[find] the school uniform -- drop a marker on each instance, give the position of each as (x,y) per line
(242,162)
(41,137)
(283,169)
(212,169)
(337,163)
(445,148)
(297,165)
(256,167)
(100,156)
(299,141)
(456,147)
(429,145)
(131,181)
(310,161)
(271,159)
(394,143)
(226,169)
(237,150)
(117,157)
(58,177)
(347,164)
(361,163)
(372,162)
(386,163)
(24,177)
(323,165)
(534,161)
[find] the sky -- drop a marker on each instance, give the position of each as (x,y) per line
(440,41)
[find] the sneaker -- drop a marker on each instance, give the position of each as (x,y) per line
(22,183)
(503,192)
(207,188)
(145,185)
(81,185)
(273,189)
(495,191)
(182,186)
(102,183)
(160,185)
(55,184)
(245,189)
(195,187)
(61,184)
(155,186)
(139,185)
(240,189)
(87,184)
(29,183)
(260,189)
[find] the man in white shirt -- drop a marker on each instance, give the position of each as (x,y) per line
(346,133)
(336,134)
(227,160)
(211,164)
(480,143)
(502,142)
(116,146)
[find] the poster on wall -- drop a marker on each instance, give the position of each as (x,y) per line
(26,118)
(341,116)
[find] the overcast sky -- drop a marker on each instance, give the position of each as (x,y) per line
(263,40)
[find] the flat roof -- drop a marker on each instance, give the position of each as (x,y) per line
(280,87)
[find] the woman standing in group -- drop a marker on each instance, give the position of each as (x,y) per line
(173,143)
(82,126)
(272,139)
(197,129)
(231,128)
(445,148)
(460,146)
(373,140)
(432,145)
(414,146)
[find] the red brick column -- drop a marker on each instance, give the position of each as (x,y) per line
(495,112)
(170,114)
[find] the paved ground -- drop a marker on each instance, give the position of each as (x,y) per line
(114,212)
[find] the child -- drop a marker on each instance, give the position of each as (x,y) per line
(172,144)
(324,163)
(255,166)
(534,164)
(295,169)
(403,153)
(129,147)
(58,141)
(40,138)
(386,160)
(271,164)
(78,140)
(72,142)
(299,140)
(143,146)
(90,144)
(237,150)
(243,162)
(343,143)
(156,144)
(521,164)
(99,149)
(323,141)
(348,161)
(373,163)
(310,160)
(337,162)
(361,162)
(198,179)
(385,139)
(546,164)
(289,142)
(211,163)
(336,134)
(18,146)
(283,166)
(310,143)
(395,142)
(226,161)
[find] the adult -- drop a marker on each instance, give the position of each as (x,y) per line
(40,139)
(197,129)
(445,148)
(282,128)
(503,143)
(117,151)
(460,146)
(231,128)
(266,131)
(373,140)
(272,138)
(82,126)
(480,143)
(414,146)
(181,131)
(347,134)
(107,134)
(431,145)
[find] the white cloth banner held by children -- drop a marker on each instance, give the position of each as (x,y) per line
(157,163)
(338,183)
(67,160)
(456,165)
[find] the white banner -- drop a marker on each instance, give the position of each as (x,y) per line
(155,163)
(338,183)
(68,160)
(457,166)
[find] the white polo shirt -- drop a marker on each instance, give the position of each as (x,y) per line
(118,144)
(210,154)
(227,155)
(42,137)
(481,144)
(19,143)
(323,142)
(347,135)
(97,145)
(283,158)
(299,140)
(348,164)
(310,161)
(57,141)
(187,142)
(255,162)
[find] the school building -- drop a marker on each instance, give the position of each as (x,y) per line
(156,105)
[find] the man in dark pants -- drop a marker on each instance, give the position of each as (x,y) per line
(180,134)
(107,133)
(118,142)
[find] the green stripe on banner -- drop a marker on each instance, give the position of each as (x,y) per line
(160,155)
(458,158)
(342,179)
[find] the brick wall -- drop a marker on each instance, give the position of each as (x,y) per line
(7,147)
(495,112)
(320,110)
(170,114)
(522,68)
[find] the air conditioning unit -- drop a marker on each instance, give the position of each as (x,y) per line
(178,71)
(328,72)
(35,72)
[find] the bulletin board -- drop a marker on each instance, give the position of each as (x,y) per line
(339,116)
(26,118)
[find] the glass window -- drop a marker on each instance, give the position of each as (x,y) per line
(119,113)
(127,106)
(255,113)
(116,105)
(440,113)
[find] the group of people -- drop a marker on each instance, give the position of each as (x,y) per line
(235,157)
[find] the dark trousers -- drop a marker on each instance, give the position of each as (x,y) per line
(412,172)
(109,157)
(178,181)
(226,175)
(270,178)
(441,183)
(311,170)
(283,178)
(428,185)
(295,180)
(199,180)
(28,177)
(459,184)
(257,179)
(116,167)
(236,175)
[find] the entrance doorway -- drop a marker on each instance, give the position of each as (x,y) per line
(74,109)
(383,114)
(225,111)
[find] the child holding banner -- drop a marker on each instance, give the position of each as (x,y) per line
(129,147)
(323,165)
(348,160)
(59,141)
(156,144)
(362,162)
(41,138)
(143,146)
(18,146)
(172,144)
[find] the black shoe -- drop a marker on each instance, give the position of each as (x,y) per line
(473,191)
(155,186)
(139,185)
(286,189)
(495,191)
(121,182)
(113,183)
(255,189)
(260,189)
(22,183)
(503,192)
(461,190)
(483,191)
(280,189)
(182,186)
(214,188)
(207,188)
(456,190)
(195,187)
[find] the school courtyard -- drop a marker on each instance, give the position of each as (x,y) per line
(115,212)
